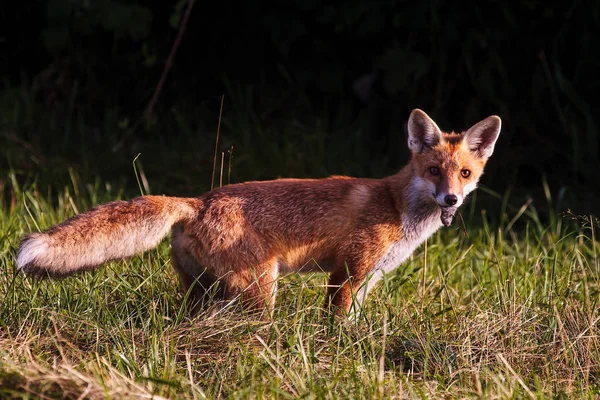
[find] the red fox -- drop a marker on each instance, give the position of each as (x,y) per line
(244,236)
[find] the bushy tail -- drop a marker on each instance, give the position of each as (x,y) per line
(110,231)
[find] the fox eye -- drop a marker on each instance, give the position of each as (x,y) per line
(465,173)
(434,170)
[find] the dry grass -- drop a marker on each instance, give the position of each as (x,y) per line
(502,313)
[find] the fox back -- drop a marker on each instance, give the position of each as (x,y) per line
(235,241)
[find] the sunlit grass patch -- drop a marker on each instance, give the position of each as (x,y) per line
(506,310)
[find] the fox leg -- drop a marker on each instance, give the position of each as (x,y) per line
(256,286)
(342,288)
(201,288)
(196,281)
(347,282)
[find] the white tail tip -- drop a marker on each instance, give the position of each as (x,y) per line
(32,252)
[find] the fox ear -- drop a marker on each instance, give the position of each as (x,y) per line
(422,131)
(482,136)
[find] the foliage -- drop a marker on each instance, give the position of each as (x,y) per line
(334,71)
(506,308)
(69,22)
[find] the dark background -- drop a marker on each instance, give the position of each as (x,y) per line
(310,89)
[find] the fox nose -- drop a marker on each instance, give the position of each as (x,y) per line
(451,199)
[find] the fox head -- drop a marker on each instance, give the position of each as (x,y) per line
(448,165)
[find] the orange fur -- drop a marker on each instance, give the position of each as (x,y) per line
(243,236)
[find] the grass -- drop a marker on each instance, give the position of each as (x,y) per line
(508,310)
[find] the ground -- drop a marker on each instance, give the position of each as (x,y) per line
(482,311)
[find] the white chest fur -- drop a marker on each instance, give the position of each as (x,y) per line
(414,235)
